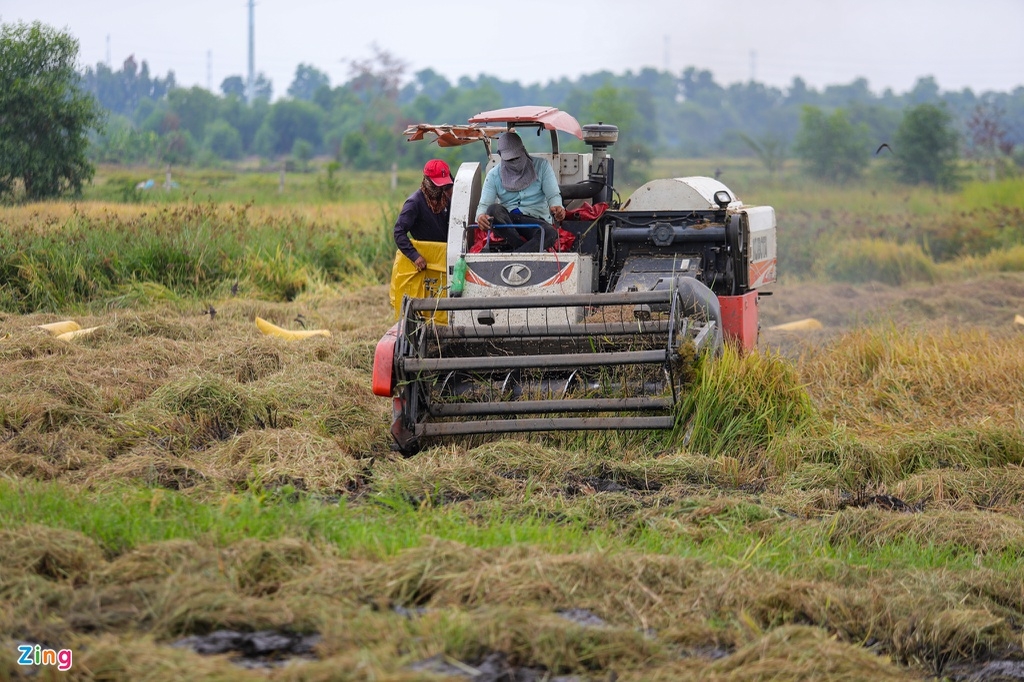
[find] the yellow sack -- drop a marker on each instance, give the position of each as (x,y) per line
(431,283)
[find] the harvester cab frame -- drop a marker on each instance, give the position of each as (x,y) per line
(597,337)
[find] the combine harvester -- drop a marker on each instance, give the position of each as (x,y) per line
(598,337)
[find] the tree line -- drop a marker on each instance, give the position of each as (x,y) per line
(662,113)
(145,118)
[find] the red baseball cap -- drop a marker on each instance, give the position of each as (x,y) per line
(438,172)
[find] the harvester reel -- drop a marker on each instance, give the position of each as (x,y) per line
(609,370)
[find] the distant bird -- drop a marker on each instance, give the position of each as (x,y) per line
(234,289)
(882,146)
(301,320)
(211,311)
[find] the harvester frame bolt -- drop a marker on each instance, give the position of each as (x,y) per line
(662,234)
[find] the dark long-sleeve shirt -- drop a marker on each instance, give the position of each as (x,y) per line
(417,221)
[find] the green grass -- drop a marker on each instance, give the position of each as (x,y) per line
(196,244)
(259,186)
(875,260)
(740,403)
(1004,194)
(192,250)
(127,517)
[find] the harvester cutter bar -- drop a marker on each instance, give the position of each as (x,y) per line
(542,424)
(542,406)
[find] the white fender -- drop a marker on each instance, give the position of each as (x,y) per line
(465,197)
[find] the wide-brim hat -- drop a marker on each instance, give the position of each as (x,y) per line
(510,146)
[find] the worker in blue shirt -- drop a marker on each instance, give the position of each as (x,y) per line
(520,190)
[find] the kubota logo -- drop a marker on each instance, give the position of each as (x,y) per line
(516,274)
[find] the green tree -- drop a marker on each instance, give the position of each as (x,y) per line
(195,108)
(308,79)
(123,91)
(927,147)
(926,91)
(177,147)
(265,142)
(609,104)
(233,86)
(302,152)
(771,151)
(224,140)
(831,147)
(244,118)
(263,87)
(426,83)
(291,120)
(372,147)
(120,142)
(44,118)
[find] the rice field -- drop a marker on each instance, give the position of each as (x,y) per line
(182,497)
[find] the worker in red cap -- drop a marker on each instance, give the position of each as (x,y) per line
(420,269)
(424,216)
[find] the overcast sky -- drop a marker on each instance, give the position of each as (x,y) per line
(962,43)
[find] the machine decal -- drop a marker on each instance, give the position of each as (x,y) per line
(561,276)
(516,274)
(473,278)
(762,273)
(537,273)
(759,248)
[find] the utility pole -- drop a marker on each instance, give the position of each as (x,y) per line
(250,84)
(753,65)
(109,65)
(209,70)
(668,65)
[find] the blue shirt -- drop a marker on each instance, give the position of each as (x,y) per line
(536,200)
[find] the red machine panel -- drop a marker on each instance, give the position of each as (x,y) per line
(739,319)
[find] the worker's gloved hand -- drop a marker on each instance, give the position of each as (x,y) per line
(558,212)
(420,263)
(484,221)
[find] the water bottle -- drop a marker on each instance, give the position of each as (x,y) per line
(458,283)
